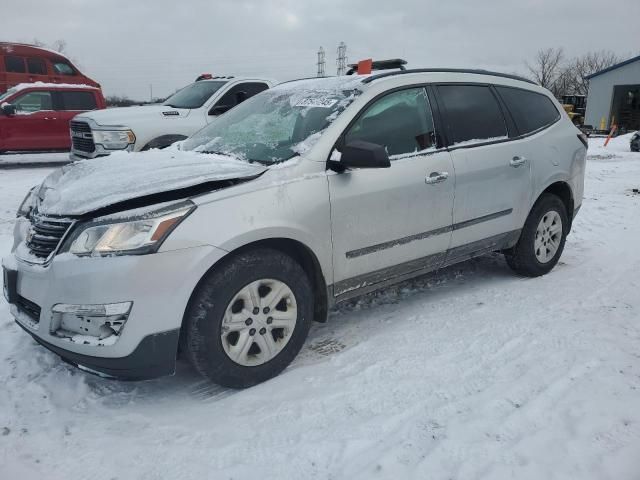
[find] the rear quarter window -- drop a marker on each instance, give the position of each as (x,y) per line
(78,100)
(473,114)
(531,111)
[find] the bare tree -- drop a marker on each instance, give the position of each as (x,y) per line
(59,45)
(588,64)
(546,67)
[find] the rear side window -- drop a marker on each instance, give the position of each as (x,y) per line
(401,121)
(14,64)
(34,102)
(36,66)
(78,100)
(530,110)
(62,68)
(472,113)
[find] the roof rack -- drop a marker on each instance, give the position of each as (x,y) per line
(446,70)
(389,64)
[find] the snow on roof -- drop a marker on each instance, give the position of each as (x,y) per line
(348,82)
(24,86)
(8,47)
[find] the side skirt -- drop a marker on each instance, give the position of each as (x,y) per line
(369,282)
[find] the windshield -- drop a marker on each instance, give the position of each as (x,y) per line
(194,95)
(6,94)
(274,125)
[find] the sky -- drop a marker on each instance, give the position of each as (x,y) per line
(135,47)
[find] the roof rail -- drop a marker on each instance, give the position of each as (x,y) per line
(380,65)
(445,70)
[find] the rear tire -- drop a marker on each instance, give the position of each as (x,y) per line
(248,318)
(542,238)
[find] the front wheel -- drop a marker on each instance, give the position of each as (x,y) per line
(249,318)
(542,239)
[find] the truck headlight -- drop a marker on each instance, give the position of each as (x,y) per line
(128,233)
(113,139)
(28,203)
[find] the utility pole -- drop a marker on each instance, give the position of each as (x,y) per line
(150,93)
(341,61)
(321,62)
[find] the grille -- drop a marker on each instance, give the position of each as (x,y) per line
(81,137)
(45,234)
(28,307)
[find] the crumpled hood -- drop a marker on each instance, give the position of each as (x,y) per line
(88,185)
(125,116)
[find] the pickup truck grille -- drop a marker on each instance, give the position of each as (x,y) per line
(45,234)
(81,137)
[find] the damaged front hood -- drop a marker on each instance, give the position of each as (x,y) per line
(89,185)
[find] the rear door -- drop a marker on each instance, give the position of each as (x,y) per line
(493,175)
(36,70)
(390,222)
(15,69)
(69,103)
(31,128)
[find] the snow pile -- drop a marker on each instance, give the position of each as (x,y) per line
(84,186)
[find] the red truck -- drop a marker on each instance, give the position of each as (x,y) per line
(35,116)
(21,63)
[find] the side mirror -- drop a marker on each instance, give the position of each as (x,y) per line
(241,97)
(220,109)
(9,109)
(360,154)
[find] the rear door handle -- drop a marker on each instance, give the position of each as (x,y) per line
(517,161)
(436,177)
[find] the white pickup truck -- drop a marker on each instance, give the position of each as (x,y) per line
(101,132)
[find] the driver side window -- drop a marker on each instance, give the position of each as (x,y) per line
(34,102)
(400,121)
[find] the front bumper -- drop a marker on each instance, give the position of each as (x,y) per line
(158,285)
(99,151)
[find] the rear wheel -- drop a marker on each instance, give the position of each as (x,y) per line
(249,318)
(542,239)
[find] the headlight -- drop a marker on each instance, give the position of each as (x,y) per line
(135,234)
(113,139)
(28,203)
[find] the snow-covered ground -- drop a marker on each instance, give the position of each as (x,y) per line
(466,374)
(14,160)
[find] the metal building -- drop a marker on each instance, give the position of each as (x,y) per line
(614,96)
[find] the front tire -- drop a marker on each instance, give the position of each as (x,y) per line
(248,318)
(542,239)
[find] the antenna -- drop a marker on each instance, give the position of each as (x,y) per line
(341,61)
(321,62)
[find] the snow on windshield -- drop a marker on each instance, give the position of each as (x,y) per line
(278,123)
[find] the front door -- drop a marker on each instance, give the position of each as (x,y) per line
(389,222)
(32,127)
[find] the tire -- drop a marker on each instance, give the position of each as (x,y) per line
(215,318)
(527,258)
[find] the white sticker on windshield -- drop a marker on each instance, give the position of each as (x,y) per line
(316,102)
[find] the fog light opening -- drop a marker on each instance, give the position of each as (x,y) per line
(98,325)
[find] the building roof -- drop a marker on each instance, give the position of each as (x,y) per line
(613,67)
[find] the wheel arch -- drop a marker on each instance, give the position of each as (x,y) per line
(295,249)
(163,141)
(562,190)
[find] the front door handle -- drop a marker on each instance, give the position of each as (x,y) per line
(517,161)
(436,177)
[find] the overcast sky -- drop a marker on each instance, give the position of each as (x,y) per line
(128,45)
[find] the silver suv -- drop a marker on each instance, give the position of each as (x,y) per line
(226,247)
